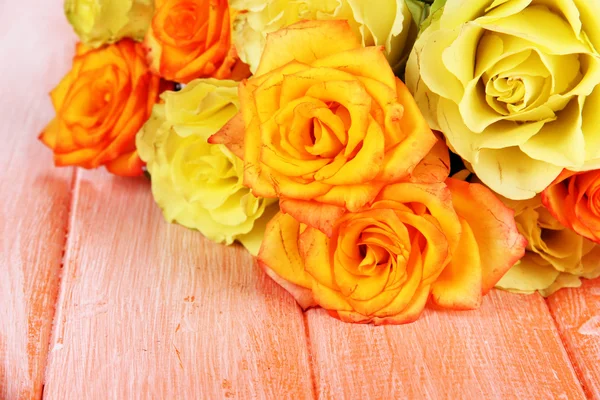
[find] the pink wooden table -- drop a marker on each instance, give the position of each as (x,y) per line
(100,298)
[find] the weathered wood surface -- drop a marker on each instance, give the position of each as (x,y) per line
(35,49)
(577,315)
(508,349)
(152,310)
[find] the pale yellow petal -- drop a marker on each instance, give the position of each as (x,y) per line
(107,21)
(253,240)
(590,123)
(513,174)
(590,19)
(431,64)
(560,142)
(460,11)
(528,277)
(550,31)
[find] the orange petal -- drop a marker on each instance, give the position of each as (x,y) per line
(459,285)
(126,165)
(368,62)
(565,199)
(239,71)
(314,249)
(435,167)
(404,157)
(231,135)
(81,157)
(435,197)
(586,223)
(494,228)
(394,298)
(410,314)
(279,251)
(302,295)
(50,133)
(306,41)
(555,196)
(352,197)
(317,215)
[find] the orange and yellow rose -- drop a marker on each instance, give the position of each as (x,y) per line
(556,256)
(574,200)
(191,39)
(448,244)
(100,106)
(324,123)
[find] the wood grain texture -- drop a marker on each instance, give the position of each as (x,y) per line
(577,315)
(152,310)
(35,48)
(508,349)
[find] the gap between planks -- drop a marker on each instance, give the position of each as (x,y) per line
(563,340)
(57,311)
(215,348)
(316,393)
(576,312)
(311,364)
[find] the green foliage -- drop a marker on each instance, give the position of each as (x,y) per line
(424,12)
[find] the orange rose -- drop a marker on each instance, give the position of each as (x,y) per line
(327,124)
(446,243)
(100,106)
(190,39)
(574,199)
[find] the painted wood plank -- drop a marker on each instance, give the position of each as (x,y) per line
(35,49)
(152,310)
(577,315)
(508,349)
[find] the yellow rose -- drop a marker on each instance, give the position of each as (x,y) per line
(556,256)
(197,184)
(514,87)
(387,24)
(97,22)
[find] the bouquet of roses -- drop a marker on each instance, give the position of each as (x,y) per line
(285,125)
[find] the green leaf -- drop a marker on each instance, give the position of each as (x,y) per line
(435,12)
(418,10)
(437,4)
(424,12)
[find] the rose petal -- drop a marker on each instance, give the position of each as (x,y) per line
(305,42)
(527,277)
(317,215)
(459,285)
(513,174)
(252,241)
(279,251)
(128,164)
(435,167)
(555,196)
(493,226)
(403,158)
(303,296)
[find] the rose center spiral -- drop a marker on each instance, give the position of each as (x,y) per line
(185,20)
